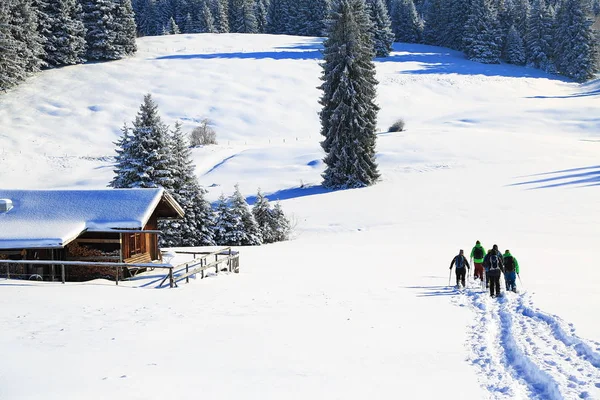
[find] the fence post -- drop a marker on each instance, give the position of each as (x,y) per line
(217,264)
(202,265)
(229,260)
(171,277)
(187,269)
(117,278)
(62,272)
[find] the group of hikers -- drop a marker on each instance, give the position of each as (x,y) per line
(488,267)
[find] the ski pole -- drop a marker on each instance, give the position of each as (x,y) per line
(520,281)
(449,276)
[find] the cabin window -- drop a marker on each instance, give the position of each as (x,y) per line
(135,244)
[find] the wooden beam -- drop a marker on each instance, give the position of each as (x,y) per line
(91,240)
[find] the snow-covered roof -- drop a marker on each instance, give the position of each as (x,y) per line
(53,218)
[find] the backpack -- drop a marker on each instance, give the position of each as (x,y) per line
(509,264)
(460,262)
(478,252)
(494,262)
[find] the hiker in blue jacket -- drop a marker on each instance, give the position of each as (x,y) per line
(461,262)
(493,264)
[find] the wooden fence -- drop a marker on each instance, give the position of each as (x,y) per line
(201,262)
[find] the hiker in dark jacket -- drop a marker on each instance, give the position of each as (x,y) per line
(493,264)
(461,262)
(511,270)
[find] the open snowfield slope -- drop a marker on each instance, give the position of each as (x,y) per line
(357,305)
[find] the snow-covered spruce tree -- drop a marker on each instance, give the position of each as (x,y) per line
(455,21)
(406,23)
(482,39)
(12,70)
(434,29)
(171,28)
(124,29)
(576,44)
(63,30)
(149,160)
(196,228)
(241,16)
(261,8)
(125,170)
(263,214)
(538,40)
(308,17)
(349,113)
(146,17)
(206,22)
(381,28)
(98,19)
(279,17)
(239,206)
(221,14)
(515,50)
(281,227)
(229,228)
(24,28)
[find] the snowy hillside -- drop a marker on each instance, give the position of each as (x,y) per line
(358,304)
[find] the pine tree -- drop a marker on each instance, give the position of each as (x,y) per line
(264,218)
(406,23)
(434,29)
(538,41)
(172,28)
(221,15)
(261,10)
(349,113)
(196,227)
(24,28)
(279,17)
(63,31)
(206,20)
(146,17)
(12,69)
(455,21)
(241,16)
(482,39)
(98,19)
(281,226)
(251,233)
(124,29)
(576,44)
(144,159)
(515,50)
(229,228)
(381,28)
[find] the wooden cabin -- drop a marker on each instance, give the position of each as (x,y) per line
(110,225)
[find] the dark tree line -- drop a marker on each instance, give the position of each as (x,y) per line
(36,34)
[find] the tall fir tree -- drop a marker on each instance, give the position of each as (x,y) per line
(24,28)
(12,69)
(538,40)
(576,44)
(434,29)
(242,18)
(349,113)
(98,19)
(125,29)
(196,227)
(144,159)
(261,9)
(279,17)
(381,28)
(482,42)
(206,20)
(456,17)
(263,214)
(515,49)
(63,30)
(229,227)
(406,23)
(239,207)
(221,14)
(281,226)
(146,17)
(171,28)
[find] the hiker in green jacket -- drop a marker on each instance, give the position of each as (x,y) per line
(511,270)
(477,255)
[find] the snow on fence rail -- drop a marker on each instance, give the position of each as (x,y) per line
(193,267)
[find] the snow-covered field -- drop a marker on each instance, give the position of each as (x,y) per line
(357,306)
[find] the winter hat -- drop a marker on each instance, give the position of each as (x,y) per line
(477,242)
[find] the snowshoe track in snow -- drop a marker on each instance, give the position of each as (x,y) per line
(525,353)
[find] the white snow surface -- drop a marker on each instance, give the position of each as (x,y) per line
(358,304)
(52,218)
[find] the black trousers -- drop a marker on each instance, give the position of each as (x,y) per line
(460,275)
(494,285)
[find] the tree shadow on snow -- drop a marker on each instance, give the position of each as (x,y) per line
(292,193)
(434,291)
(440,60)
(275,55)
(582,177)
